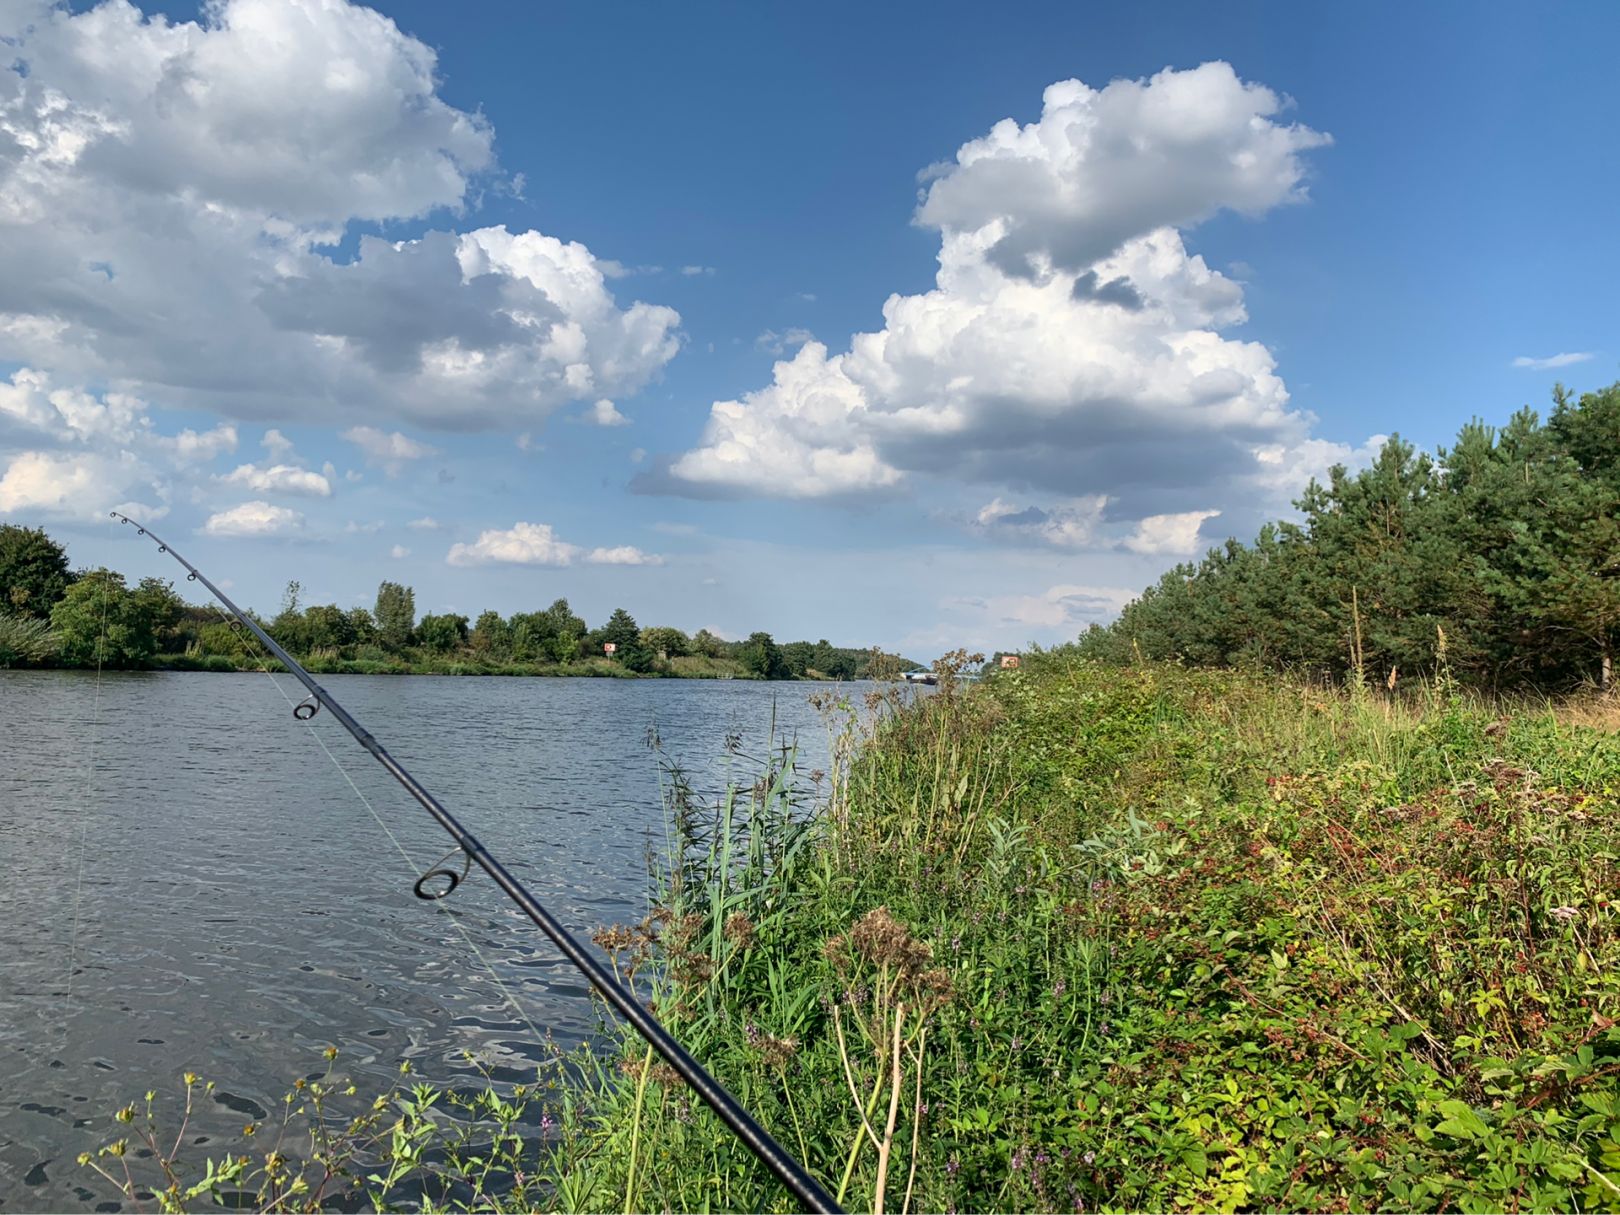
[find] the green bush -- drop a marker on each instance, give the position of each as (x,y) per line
(101,622)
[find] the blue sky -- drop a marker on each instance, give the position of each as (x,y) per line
(755,170)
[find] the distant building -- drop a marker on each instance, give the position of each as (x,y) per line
(1009,662)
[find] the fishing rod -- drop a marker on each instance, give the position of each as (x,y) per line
(754,1137)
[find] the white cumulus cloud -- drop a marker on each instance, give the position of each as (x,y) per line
(68,453)
(254,519)
(622,554)
(1162,535)
(279,479)
(162,180)
(1071,343)
(537,544)
(603,413)
(1103,166)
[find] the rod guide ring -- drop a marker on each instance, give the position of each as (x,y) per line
(422,892)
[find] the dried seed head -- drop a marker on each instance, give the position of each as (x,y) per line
(608,939)
(740,930)
(879,938)
(778,1052)
(935,987)
(836,951)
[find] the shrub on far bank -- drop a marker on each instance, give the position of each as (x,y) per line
(101,622)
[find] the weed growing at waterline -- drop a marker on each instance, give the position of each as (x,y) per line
(1202,941)
(414,1147)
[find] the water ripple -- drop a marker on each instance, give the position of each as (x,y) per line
(239,910)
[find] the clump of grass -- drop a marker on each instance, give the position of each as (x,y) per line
(25,641)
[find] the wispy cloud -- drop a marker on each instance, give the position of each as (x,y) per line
(781,343)
(254,519)
(1551,361)
(389,450)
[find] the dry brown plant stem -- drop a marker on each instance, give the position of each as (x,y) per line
(916,1120)
(862,1112)
(886,1148)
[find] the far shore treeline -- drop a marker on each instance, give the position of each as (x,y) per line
(53,616)
(1497,560)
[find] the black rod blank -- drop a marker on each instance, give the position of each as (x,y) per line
(754,1137)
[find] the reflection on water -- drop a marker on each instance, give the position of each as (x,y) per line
(188,883)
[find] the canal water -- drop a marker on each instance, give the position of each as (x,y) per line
(188,882)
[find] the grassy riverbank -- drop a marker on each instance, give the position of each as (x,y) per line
(1092,938)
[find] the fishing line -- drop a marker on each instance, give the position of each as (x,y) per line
(421,875)
(793,1175)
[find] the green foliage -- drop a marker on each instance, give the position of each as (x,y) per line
(220,640)
(762,659)
(288,627)
(395,615)
(798,656)
(100,622)
(620,631)
(329,627)
(25,641)
(665,642)
(491,636)
(1505,550)
(554,635)
(362,626)
(441,634)
(33,572)
(1195,941)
